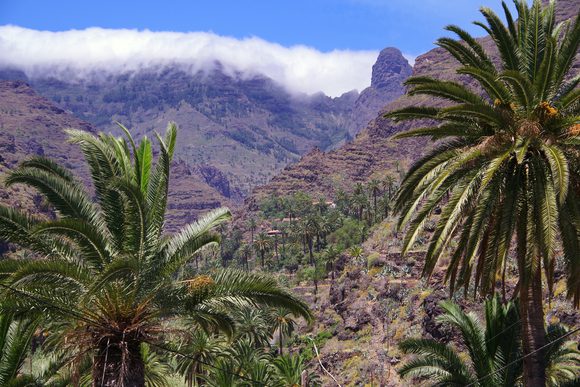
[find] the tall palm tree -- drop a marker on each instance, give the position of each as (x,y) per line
(262,245)
(330,257)
(245,252)
(507,173)
(252,224)
(359,200)
(374,189)
(108,271)
(311,229)
(283,324)
(388,185)
(493,355)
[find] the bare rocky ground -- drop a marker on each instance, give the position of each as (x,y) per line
(377,301)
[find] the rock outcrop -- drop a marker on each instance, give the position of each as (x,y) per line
(389,72)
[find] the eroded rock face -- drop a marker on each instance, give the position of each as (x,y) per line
(390,68)
(389,72)
(218,180)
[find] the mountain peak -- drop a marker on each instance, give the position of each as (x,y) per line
(390,64)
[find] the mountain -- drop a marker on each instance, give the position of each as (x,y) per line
(389,71)
(373,152)
(243,129)
(32,125)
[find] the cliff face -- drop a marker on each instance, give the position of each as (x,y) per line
(389,72)
(31,125)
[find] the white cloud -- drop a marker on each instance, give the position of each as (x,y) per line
(298,68)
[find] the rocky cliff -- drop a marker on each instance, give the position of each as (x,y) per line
(32,125)
(388,75)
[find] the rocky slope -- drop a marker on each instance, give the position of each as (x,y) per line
(32,125)
(380,299)
(245,129)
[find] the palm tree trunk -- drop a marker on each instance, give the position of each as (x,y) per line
(198,379)
(374,206)
(108,367)
(283,245)
(280,339)
(311,256)
(315,287)
(533,332)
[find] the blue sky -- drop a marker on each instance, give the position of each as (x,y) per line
(411,25)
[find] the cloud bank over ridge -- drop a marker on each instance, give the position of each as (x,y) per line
(81,53)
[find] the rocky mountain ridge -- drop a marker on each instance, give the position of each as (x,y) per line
(245,129)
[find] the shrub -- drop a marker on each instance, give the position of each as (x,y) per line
(373,260)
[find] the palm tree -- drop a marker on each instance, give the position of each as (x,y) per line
(562,357)
(356,252)
(330,256)
(223,375)
(374,188)
(343,202)
(109,276)
(284,324)
(157,369)
(385,205)
(389,185)
(15,337)
(252,325)
(289,370)
(493,355)
(262,244)
(359,200)
(327,225)
(252,224)
(507,174)
(245,252)
(202,349)
(311,229)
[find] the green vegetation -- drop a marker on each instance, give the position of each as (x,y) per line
(494,351)
(506,173)
(108,284)
(95,291)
